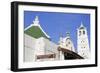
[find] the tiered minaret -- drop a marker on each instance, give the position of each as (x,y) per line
(82,42)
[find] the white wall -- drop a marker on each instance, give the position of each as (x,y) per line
(29,48)
(5,36)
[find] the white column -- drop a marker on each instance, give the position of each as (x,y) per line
(61,55)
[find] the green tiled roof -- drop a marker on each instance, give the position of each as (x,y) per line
(35,32)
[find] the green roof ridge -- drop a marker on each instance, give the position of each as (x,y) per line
(35,32)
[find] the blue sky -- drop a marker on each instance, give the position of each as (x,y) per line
(55,24)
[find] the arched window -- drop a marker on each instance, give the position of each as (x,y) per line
(79,33)
(66,45)
(68,42)
(83,32)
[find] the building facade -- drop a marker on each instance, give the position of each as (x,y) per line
(37,44)
(66,43)
(39,47)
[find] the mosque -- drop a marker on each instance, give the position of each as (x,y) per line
(39,47)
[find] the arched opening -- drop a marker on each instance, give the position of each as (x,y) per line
(79,33)
(83,32)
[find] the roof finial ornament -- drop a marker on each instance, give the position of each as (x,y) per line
(36,21)
(36,18)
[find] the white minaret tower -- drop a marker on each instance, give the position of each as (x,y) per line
(82,42)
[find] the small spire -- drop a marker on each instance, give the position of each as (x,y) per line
(36,21)
(68,34)
(81,25)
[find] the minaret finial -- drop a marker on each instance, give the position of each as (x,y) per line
(81,26)
(36,18)
(36,21)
